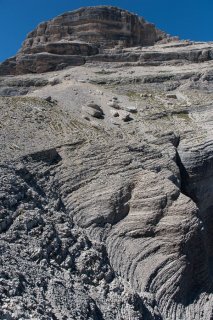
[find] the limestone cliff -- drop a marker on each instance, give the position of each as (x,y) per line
(69,38)
(106,188)
(102,26)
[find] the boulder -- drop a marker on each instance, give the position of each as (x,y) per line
(171,95)
(114,104)
(125,116)
(114,113)
(93,110)
(131,109)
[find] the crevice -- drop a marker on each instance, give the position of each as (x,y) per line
(197,248)
(184,179)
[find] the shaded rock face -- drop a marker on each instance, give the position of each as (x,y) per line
(82,32)
(43,62)
(63,48)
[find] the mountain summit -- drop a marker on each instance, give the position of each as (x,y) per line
(72,36)
(106,172)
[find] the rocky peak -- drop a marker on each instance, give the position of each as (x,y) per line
(72,36)
(102,26)
(106,173)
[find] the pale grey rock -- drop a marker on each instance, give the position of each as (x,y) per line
(124,115)
(114,113)
(93,110)
(54,81)
(114,104)
(108,219)
(94,106)
(48,99)
(132,109)
(171,95)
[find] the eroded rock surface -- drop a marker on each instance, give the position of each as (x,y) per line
(103,26)
(100,217)
(57,43)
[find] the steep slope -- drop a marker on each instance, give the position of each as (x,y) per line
(70,38)
(106,188)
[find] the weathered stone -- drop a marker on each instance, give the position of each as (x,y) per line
(43,62)
(114,113)
(103,219)
(84,32)
(93,110)
(49,98)
(104,26)
(131,109)
(114,104)
(171,95)
(124,115)
(94,106)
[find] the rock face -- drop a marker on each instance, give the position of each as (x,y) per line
(83,32)
(106,187)
(103,26)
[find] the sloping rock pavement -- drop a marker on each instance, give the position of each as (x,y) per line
(102,218)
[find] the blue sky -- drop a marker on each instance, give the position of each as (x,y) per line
(190,19)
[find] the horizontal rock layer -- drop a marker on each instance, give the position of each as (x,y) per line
(106,186)
(83,32)
(103,26)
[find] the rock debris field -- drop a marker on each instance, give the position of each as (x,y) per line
(106,172)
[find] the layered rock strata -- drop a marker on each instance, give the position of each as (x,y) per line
(83,32)
(104,217)
(103,26)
